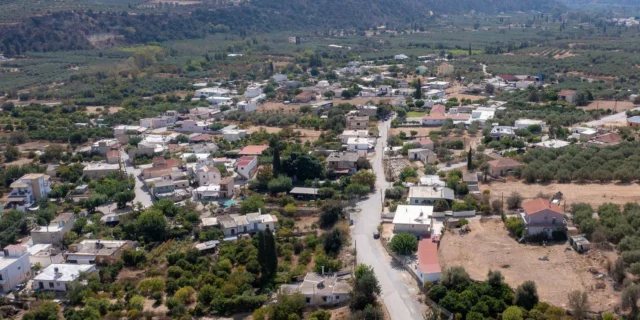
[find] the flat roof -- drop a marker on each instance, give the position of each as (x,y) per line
(431,192)
(411,214)
(428,256)
(66,272)
(303,190)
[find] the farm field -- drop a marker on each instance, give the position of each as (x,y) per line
(603,104)
(305,134)
(415,114)
(489,247)
(594,194)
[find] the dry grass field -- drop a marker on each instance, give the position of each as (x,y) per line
(305,134)
(489,247)
(594,194)
(603,104)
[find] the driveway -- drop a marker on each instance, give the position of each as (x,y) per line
(618,117)
(141,191)
(398,294)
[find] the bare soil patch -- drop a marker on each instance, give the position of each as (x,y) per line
(37,145)
(612,105)
(19,162)
(594,194)
(305,134)
(489,247)
(422,131)
(94,110)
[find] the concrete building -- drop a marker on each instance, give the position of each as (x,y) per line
(54,232)
(428,267)
(96,170)
(211,92)
(422,155)
(415,219)
(320,290)
(427,195)
(499,132)
(92,251)
(103,147)
(355,144)
(208,175)
(503,166)
(27,189)
(441,85)
(346,134)
(247,166)
(357,123)
(367,111)
(526,123)
(233,135)
(113,157)
(343,162)
(57,277)
(44,255)
(569,96)
(14,267)
(542,216)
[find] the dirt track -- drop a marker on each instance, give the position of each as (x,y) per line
(489,246)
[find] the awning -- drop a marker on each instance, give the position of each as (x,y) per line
(229,203)
(345,171)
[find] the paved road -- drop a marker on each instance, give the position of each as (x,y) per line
(620,116)
(142,193)
(396,295)
(453,166)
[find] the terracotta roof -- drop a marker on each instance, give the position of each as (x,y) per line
(447,116)
(201,137)
(438,108)
(537,205)
(508,77)
(424,141)
(504,163)
(226,180)
(209,168)
(113,153)
(566,93)
(15,247)
(253,150)
(244,161)
(305,95)
(428,256)
(611,137)
(163,170)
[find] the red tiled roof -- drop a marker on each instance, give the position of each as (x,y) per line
(201,137)
(253,150)
(611,137)
(438,108)
(15,247)
(305,95)
(424,141)
(113,153)
(447,116)
(504,163)
(564,93)
(508,77)
(428,256)
(244,161)
(226,180)
(537,205)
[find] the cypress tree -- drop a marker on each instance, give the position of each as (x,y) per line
(273,144)
(262,254)
(469,160)
(270,253)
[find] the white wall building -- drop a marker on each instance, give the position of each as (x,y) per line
(253,91)
(246,166)
(211,92)
(54,232)
(27,189)
(347,134)
(56,277)
(234,135)
(355,144)
(44,255)
(14,267)
(208,175)
(525,123)
(414,219)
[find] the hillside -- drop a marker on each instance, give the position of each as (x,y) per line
(70,30)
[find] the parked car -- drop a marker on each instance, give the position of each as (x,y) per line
(376,235)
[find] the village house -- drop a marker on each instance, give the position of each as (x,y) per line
(606,139)
(499,132)
(14,267)
(113,157)
(427,195)
(425,143)
(441,85)
(234,135)
(357,122)
(197,126)
(56,277)
(235,224)
(305,97)
(103,147)
(422,155)
(44,254)
(343,162)
(54,232)
(92,251)
(526,123)
(304,193)
(346,134)
(439,119)
(633,121)
(96,170)
(211,92)
(542,216)
(356,144)
(161,167)
(428,267)
(569,96)
(208,175)
(253,150)
(320,290)
(27,189)
(367,111)
(503,166)
(415,219)
(247,166)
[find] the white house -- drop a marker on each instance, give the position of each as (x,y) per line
(414,219)
(152,123)
(44,255)
(27,189)
(246,166)
(208,175)
(347,134)
(253,91)
(525,123)
(427,267)
(320,289)
(400,57)
(54,232)
(56,277)
(251,105)
(429,195)
(439,85)
(211,92)
(422,154)
(279,77)
(103,146)
(234,135)
(14,267)
(355,144)
(195,126)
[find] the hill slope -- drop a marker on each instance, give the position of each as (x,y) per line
(70,30)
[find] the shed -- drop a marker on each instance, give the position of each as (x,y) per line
(303,192)
(579,243)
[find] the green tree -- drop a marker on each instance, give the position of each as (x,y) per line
(123,197)
(48,310)
(252,204)
(330,213)
(512,313)
(365,288)
(357,190)
(455,277)
(275,150)
(11,153)
(579,304)
(514,200)
(418,93)
(152,225)
(364,177)
(333,241)
(526,295)
(470,159)
(629,299)
(280,184)
(404,243)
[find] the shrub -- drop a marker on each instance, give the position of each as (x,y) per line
(185,295)
(515,226)
(404,243)
(514,201)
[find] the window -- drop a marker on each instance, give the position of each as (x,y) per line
(337,297)
(308,300)
(553,221)
(50,284)
(1,277)
(324,298)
